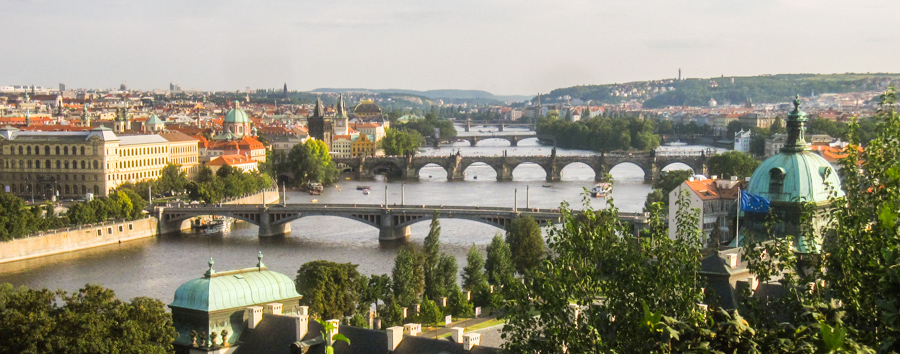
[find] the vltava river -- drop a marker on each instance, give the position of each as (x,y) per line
(155,267)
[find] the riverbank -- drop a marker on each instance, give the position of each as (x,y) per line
(87,236)
(76,238)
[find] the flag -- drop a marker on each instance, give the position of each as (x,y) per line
(754,203)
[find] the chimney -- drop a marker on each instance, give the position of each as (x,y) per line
(254,314)
(471,340)
(457,334)
(443,302)
(273,308)
(394,336)
(405,312)
(302,322)
(468,296)
(732,260)
(337,325)
(412,329)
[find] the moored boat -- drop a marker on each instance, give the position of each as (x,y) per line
(601,190)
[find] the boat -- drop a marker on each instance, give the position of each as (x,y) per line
(546,185)
(314,200)
(218,225)
(315,188)
(366,191)
(361,188)
(601,190)
(676,143)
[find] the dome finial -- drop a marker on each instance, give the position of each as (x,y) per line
(210,271)
(259,256)
(797,103)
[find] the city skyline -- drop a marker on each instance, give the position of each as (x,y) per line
(506,48)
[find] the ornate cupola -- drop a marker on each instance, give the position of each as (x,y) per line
(792,179)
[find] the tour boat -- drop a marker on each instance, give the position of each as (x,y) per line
(315,188)
(366,191)
(676,143)
(218,225)
(601,190)
(547,185)
(362,188)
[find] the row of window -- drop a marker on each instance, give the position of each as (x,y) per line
(36,150)
(141,151)
(64,189)
(140,163)
(21,164)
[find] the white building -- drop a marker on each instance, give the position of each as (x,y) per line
(742,141)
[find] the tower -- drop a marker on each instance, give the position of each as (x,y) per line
(798,184)
(679,74)
(341,119)
(237,121)
(27,117)
(320,127)
(122,122)
(85,118)
(285,90)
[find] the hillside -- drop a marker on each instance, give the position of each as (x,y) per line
(446,94)
(697,92)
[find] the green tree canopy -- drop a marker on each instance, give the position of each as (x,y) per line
(89,321)
(311,162)
(732,163)
(407,276)
(526,244)
(171,179)
(498,266)
(328,288)
(473,273)
(401,142)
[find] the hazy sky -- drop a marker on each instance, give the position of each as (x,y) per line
(502,46)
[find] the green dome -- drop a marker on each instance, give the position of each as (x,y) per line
(234,289)
(800,176)
(237,115)
(154,120)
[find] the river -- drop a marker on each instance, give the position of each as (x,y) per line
(155,267)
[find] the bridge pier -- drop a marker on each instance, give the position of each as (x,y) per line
(390,233)
(268,229)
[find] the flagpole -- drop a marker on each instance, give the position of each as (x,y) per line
(737,219)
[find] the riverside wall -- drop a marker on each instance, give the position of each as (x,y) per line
(76,238)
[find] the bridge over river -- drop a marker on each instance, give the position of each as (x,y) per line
(393,221)
(651,162)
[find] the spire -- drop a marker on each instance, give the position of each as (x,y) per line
(85,118)
(27,117)
(796,130)
(340,110)
(320,110)
(259,256)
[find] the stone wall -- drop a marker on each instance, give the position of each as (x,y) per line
(271,196)
(76,238)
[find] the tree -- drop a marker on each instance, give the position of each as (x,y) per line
(378,288)
(732,163)
(665,184)
(458,304)
(89,321)
(445,276)
(777,127)
(526,244)
(498,266)
(431,250)
(311,162)
(328,288)
(171,179)
(408,280)
(473,272)
(431,313)
(401,142)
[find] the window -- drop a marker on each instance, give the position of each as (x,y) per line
(57,150)
(776,180)
(82,150)
(46,150)
(109,231)
(130,227)
(121,228)
(99,232)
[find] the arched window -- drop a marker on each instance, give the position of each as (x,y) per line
(20,150)
(57,150)
(46,150)
(83,189)
(96,190)
(96,166)
(67,165)
(29,164)
(29,150)
(47,165)
(82,165)
(65,150)
(82,150)
(776,180)
(58,164)
(67,189)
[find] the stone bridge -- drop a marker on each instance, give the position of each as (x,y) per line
(407,167)
(473,139)
(393,221)
(468,124)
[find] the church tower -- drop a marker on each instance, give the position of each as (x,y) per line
(122,122)
(341,119)
(320,127)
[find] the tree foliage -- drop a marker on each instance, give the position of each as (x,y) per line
(498,266)
(526,244)
(401,142)
(310,162)
(473,273)
(89,321)
(408,279)
(226,182)
(329,289)
(732,163)
(603,133)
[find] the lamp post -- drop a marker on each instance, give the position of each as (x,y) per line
(402,194)
(527,196)
(515,200)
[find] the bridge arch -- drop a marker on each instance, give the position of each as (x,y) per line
(432,171)
(389,167)
(674,166)
(528,171)
(627,170)
(579,171)
(493,139)
(479,171)
(530,141)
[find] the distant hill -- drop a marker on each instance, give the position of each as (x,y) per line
(726,89)
(448,94)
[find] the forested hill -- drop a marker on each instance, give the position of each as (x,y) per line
(697,92)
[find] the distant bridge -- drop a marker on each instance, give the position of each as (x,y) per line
(468,124)
(650,162)
(393,221)
(473,139)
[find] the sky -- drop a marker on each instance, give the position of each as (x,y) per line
(506,47)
